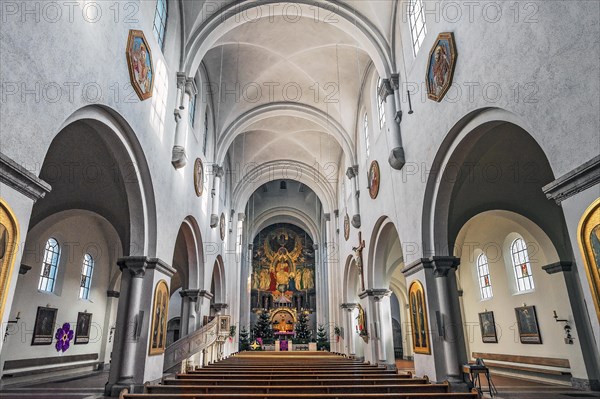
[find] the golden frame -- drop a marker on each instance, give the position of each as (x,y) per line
(346,227)
(589,221)
(448,38)
(133,35)
(160,312)
(222,226)
(374,178)
(418,318)
(199,177)
(9,239)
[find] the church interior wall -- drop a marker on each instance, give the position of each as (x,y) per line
(476,238)
(78,232)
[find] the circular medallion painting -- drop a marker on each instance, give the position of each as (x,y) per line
(199,177)
(346,227)
(222,226)
(374,179)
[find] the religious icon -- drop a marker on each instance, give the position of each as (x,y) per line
(346,227)
(361,323)
(139,61)
(224,322)
(529,332)
(82,330)
(589,244)
(440,68)
(418,320)
(374,179)
(199,177)
(222,226)
(358,259)
(9,235)
(488,327)
(43,329)
(160,311)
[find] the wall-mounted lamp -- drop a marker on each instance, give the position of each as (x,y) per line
(568,338)
(6,333)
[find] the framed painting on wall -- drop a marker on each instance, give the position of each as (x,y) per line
(224,322)
(488,328)
(589,244)
(440,67)
(222,226)
(198,177)
(139,62)
(529,331)
(43,329)
(9,236)
(418,318)
(160,312)
(82,330)
(346,227)
(374,179)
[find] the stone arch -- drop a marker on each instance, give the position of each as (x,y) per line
(385,254)
(218,281)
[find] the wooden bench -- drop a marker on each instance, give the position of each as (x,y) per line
(291,389)
(266,377)
(471,395)
(525,363)
(298,382)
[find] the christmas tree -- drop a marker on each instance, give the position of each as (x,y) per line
(303,334)
(264,329)
(244,339)
(322,342)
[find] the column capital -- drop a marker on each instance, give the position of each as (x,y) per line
(352,172)
(336,213)
(558,267)
(395,81)
(385,89)
(377,293)
(113,294)
(190,87)
(349,306)
(443,265)
(136,265)
(241,217)
(327,217)
(181,78)
(218,170)
(191,294)
(217,307)
(205,294)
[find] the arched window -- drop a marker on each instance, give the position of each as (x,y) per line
(483,273)
(160,22)
(366,133)
(416,21)
(521,265)
(205,139)
(86,276)
(192,113)
(380,106)
(49,266)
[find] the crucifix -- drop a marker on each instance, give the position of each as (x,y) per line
(359,259)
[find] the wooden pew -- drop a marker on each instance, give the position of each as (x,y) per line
(266,377)
(471,395)
(298,382)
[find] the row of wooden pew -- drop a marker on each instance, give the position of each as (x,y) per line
(295,375)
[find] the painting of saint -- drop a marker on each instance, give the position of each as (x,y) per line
(139,60)
(595,245)
(298,280)
(488,327)
(198,177)
(419,322)
(82,330)
(308,279)
(9,236)
(292,282)
(440,69)
(160,311)
(589,244)
(529,331)
(374,179)
(272,280)
(43,330)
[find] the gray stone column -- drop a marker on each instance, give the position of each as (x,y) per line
(349,327)
(444,271)
(218,172)
(392,118)
(382,329)
(188,311)
(582,323)
(352,174)
(189,89)
(203,306)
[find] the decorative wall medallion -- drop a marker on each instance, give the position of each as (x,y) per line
(346,227)
(199,177)
(139,61)
(440,67)
(374,179)
(222,226)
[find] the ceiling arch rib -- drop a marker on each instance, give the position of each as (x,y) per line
(285,214)
(350,21)
(284,169)
(302,111)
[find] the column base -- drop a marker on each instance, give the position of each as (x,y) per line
(115,390)
(397,159)
(356,221)
(585,385)
(178,157)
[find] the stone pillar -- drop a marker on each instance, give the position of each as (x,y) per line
(218,172)
(392,118)
(203,306)
(349,327)
(581,323)
(189,89)
(131,365)
(352,174)
(382,323)
(188,311)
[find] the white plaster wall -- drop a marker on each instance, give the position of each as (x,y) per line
(487,232)
(77,232)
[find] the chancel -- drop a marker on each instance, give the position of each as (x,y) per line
(300,199)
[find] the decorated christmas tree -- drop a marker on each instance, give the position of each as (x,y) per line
(244,339)
(322,341)
(303,334)
(264,329)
